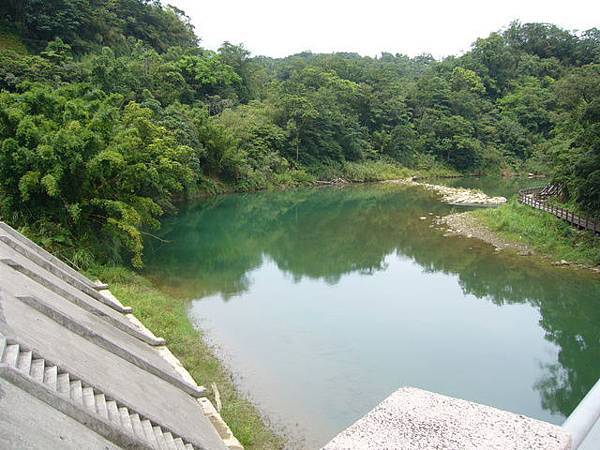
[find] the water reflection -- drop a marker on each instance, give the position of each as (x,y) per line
(217,246)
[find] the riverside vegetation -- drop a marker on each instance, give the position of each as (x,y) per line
(542,232)
(111,113)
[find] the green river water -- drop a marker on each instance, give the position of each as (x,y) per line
(324,301)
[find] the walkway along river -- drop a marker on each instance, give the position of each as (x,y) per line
(324,301)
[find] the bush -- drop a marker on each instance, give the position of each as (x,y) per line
(77,166)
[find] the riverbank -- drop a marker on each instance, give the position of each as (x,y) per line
(166,316)
(529,232)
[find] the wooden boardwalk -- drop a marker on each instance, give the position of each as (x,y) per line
(532,198)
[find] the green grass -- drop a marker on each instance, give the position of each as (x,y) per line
(542,232)
(369,171)
(167,317)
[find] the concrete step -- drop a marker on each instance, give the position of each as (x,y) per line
(138,428)
(63,384)
(113,412)
(24,361)
(179,445)
(170,441)
(11,353)
(149,433)
(3,345)
(160,438)
(88,399)
(40,371)
(37,370)
(50,376)
(100,401)
(126,420)
(76,393)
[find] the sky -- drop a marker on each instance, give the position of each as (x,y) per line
(368,27)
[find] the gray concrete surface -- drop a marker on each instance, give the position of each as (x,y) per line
(81,321)
(29,423)
(93,328)
(134,387)
(50,267)
(413,419)
(62,291)
(78,371)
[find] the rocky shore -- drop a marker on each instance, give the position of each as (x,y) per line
(464,224)
(455,196)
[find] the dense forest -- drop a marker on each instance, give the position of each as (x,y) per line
(111,112)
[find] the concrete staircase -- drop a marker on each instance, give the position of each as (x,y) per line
(87,404)
(78,370)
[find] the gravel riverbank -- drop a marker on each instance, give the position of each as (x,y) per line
(455,196)
(464,224)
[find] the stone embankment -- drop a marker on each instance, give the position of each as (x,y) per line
(455,196)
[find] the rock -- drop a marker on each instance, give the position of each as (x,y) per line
(423,218)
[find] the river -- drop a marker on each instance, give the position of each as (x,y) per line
(324,301)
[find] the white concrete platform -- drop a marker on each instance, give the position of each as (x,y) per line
(414,419)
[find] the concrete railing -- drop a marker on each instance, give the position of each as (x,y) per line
(584,417)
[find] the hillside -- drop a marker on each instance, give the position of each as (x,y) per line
(117,113)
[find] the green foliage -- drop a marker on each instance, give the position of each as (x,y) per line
(78,159)
(10,39)
(117,114)
(370,171)
(543,232)
(88,25)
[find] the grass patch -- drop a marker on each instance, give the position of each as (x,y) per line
(542,232)
(369,171)
(10,40)
(167,317)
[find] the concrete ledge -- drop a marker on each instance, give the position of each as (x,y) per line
(53,269)
(53,287)
(413,419)
(44,254)
(101,341)
(222,428)
(104,311)
(156,341)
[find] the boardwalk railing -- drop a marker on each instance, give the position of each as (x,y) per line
(531,197)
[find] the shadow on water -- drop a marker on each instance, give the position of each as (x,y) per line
(326,234)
